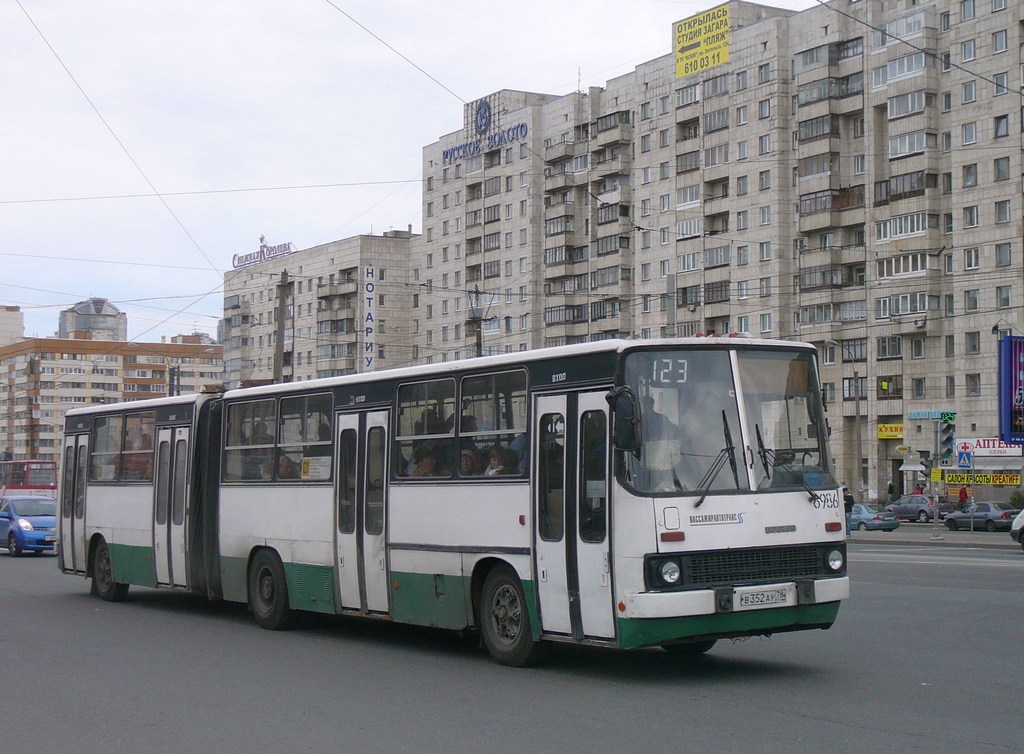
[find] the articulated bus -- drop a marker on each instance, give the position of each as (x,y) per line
(622,493)
(28,478)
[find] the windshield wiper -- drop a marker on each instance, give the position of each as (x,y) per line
(728,452)
(762,452)
(731,449)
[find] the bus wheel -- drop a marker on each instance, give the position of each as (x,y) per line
(103,584)
(12,545)
(268,592)
(505,621)
(689,649)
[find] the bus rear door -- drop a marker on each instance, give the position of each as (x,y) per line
(570,489)
(170,502)
(74,551)
(361,510)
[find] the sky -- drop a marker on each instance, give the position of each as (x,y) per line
(143,144)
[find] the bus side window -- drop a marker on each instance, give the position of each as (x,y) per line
(551,478)
(593,486)
(347,482)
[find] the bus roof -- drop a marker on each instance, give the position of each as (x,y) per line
(518,358)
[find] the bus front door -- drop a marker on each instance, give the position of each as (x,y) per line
(170,502)
(361,510)
(74,551)
(570,491)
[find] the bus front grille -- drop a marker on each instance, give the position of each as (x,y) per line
(754,566)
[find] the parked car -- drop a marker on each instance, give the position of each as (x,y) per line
(1017,529)
(865,517)
(991,516)
(28,523)
(918,507)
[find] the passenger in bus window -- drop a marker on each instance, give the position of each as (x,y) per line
(260,436)
(266,471)
(287,468)
(425,462)
(467,464)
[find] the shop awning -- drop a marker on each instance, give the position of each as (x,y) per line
(912,466)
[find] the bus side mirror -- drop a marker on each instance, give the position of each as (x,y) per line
(625,410)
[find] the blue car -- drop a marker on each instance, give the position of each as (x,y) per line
(28,523)
(872,518)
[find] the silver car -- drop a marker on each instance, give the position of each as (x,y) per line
(988,515)
(918,507)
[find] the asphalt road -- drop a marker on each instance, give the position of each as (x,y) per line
(923,657)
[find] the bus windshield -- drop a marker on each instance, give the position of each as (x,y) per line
(783,411)
(689,423)
(691,437)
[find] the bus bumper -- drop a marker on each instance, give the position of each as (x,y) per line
(718,601)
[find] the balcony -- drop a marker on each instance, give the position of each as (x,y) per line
(555,181)
(619,134)
(563,150)
(618,165)
(326,290)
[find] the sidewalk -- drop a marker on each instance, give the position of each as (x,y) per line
(921,534)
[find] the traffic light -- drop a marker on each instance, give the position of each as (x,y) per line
(947,440)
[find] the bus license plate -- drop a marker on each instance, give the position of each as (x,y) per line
(754,599)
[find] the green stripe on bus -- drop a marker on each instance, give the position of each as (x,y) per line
(645,632)
(310,587)
(132,564)
(430,599)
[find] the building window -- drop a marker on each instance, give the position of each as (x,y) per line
(999,41)
(764,108)
(764,180)
(917,348)
(970,90)
(765,144)
(950,386)
(971,257)
(1002,84)
(764,73)
(970,132)
(917,388)
(1002,297)
(971,300)
(1002,254)
(1001,169)
(974,385)
(971,216)
(972,342)
(766,322)
(970,175)
(765,250)
(1003,211)
(967,48)
(1001,126)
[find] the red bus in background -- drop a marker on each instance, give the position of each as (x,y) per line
(28,478)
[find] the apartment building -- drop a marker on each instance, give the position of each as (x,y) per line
(41,378)
(337,308)
(849,175)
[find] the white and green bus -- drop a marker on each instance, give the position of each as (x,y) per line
(620,493)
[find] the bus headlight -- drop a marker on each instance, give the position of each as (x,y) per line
(834,560)
(670,572)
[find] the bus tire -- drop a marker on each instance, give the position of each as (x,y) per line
(268,592)
(691,648)
(103,584)
(505,620)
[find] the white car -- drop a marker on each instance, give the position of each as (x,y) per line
(1017,529)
